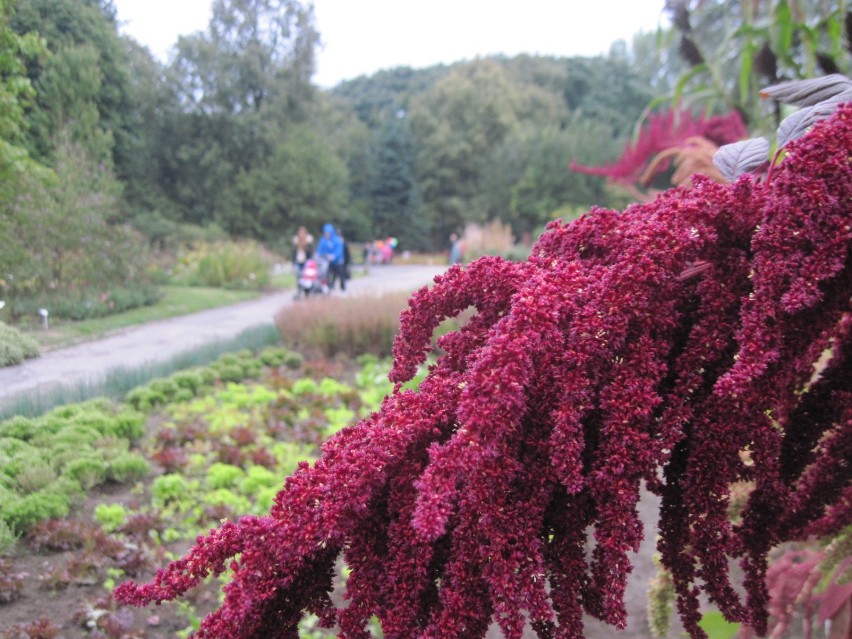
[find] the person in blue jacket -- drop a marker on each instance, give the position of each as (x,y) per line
(330,248)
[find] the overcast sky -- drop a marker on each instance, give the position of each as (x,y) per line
(363,36)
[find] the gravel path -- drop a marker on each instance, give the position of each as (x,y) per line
(161,341)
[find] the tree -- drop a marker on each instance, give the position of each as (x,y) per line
(83,80)
(456,125)
(252,50)
(16,93)
(303,183)
(394,200)
(672,343)
(527,179)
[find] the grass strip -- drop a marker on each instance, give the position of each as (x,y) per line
(118,381)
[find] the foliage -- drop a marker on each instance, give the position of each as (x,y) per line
(661,344)
(227,264)
(50,462)
(16,93)
(731,49)
(525,181)
(81,81)
(8,538)
(59,241)
(15,347)
(392,188)
(78,305)
(302,182)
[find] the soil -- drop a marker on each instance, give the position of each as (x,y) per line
(77,609)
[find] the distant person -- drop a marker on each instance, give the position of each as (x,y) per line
(455,249)
(386,249)
(347,259)
(330,248)
(303,243)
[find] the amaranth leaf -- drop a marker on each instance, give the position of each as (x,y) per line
(733,160)
(808,92)
(798,123)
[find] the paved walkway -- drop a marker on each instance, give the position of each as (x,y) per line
(161,341)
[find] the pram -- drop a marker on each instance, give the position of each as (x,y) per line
(313,278)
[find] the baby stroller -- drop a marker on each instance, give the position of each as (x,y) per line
(313,278)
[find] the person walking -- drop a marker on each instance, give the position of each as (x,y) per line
(455,249)
(303,243)
(330,248)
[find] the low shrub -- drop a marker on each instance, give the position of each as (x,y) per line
(128,467)
(343,326)
(15,347)
(110,516)
(36,476)
(228,264)
(28,510)
(8,538)
(86,303)
(88,471)
(18,427)
(224,475)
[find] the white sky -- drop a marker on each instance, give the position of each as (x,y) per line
(363,36)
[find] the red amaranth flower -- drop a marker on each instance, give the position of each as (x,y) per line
(673,343)
(664,131)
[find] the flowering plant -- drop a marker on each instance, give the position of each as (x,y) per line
(672,343)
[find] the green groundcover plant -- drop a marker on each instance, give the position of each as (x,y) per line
(15,347)
(673,343)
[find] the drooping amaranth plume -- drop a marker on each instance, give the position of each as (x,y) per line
(691,343)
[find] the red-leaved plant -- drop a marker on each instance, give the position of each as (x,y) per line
(672,343)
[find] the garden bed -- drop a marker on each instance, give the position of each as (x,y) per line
(220,441)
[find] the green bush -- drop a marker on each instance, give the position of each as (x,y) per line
(236,265)
(81,435)
(221,475)
(23,513)
(128,467)
(167,488)
(128,424)
(230,372)
(69,488)
(88,471)
(19,428)
(191,380)
(87,303)
(145,399)
(257,478)
(35,476)
(8,538)
(15,347)
(110,516)
(183,395)
(12,446)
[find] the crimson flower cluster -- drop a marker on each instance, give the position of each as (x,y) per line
(673,343)
(664,131)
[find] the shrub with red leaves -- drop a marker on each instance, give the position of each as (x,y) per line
(673,343)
